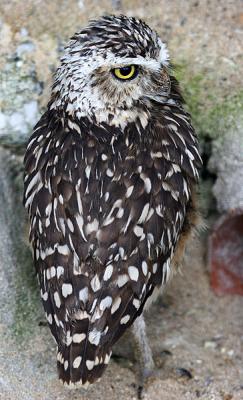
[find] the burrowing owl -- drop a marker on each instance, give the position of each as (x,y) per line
(110,174)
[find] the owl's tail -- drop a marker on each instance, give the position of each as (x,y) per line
(81,360)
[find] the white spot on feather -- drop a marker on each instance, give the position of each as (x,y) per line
(122,280)
(133,273)
(105,303)
(44,295)
(60,271)
(107,358)
(129,191)
(138,230)
(77,362)
(53,272)
(49,318)
(116,305)
(155,267)
(125,319)
(108,272)
(78,337)
(144,214)
(144,268)
(67,289)
(136,303)
(57,300)
(92,226)
(109,173)
(83,295)
(63,250)
(90,364)
(65,365)
(94,337)
(95,283)
(32,183)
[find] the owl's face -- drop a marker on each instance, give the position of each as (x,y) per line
(111,67)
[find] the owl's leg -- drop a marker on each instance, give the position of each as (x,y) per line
(143,353)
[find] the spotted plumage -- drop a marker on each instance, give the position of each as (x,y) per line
(110,171)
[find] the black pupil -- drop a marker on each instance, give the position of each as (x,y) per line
(125,70)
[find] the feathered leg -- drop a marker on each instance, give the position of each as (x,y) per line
(143,353)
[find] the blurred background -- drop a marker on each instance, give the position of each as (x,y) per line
(196,330)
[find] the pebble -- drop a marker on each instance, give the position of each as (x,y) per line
(210,345)
(183,373)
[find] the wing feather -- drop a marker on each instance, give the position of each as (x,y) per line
(104,224)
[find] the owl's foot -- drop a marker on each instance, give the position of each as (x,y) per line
(145,380)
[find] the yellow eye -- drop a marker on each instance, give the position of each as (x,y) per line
(125,73)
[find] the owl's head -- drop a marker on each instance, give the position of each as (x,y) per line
(110,68)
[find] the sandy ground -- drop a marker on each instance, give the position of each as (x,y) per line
(203,333)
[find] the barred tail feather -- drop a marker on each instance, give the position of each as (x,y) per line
(77,371)
(81,362)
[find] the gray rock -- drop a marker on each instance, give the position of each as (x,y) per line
(227,162)
(18,98)
(2,122)
(24,48)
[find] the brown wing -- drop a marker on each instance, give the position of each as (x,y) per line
(105,210)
